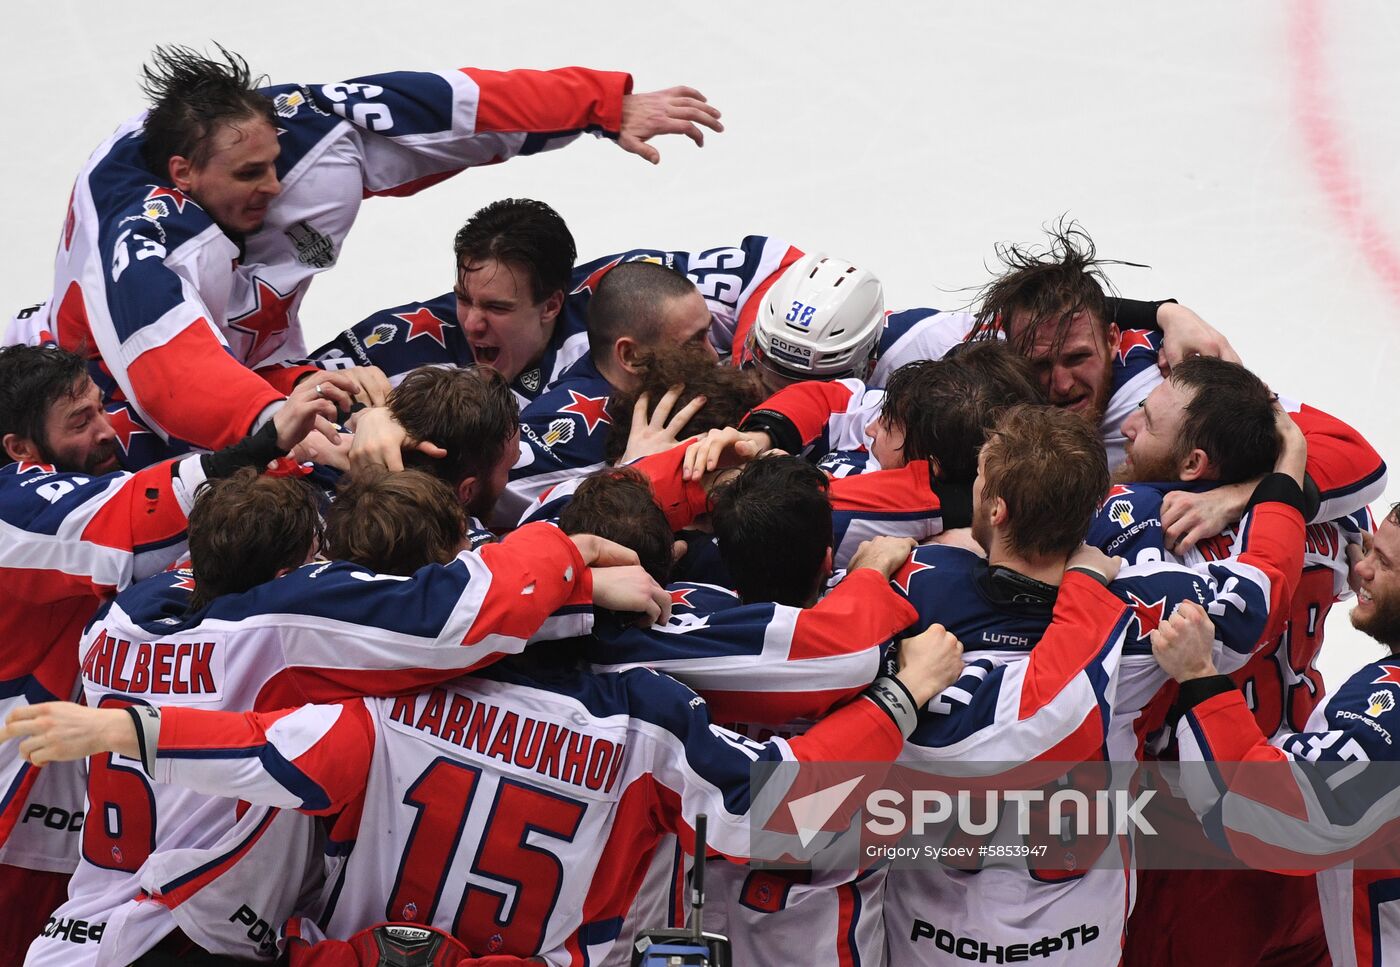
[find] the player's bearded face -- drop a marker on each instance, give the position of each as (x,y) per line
(489,489)
(238,180)
(1153,433)
(1377,611)
(78,437)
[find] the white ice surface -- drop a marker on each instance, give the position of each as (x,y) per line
(1245,151)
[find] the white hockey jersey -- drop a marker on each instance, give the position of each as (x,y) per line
(68,542)
(323,632)
(515,808)
(146,282)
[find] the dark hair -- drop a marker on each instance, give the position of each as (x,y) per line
(524,233)
(629,302)
(1230,417)
(773,521)
(394,523)
(469,412)
(245,528)
(619,505)
(1045,288)
(945,407)
(729,393)
(191,96)
(1050,467)
(32,380)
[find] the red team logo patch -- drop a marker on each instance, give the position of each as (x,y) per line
(596,276)
(1130,339)
(593,409)
(267,322)
(423,323)
(176,196)
(1391,676)
(124,427)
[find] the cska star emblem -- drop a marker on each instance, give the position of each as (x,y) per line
(185,582)
(422,322)
(124,427)
(1130,339)
(681,596)
(1148,615)
(26,465)
(593,409)
(176,196)
(907,572)
(590,283)
(1389,676)
(267,321)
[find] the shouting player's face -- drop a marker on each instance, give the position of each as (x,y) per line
(505,327)
(239,179)
(78,437)
(1377,575)
(1076,375)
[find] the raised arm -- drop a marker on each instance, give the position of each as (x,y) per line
(314,758)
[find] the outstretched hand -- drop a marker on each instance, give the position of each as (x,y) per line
(312,405)
(660,429)
(676,110)
(64,731)
(380,441)
(722,450)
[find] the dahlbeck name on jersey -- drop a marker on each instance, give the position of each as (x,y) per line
(156,668)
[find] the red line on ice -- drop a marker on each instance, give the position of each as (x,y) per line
(1314,115)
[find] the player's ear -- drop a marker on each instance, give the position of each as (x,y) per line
(22,448)
(1113,334)
(1196,466)
(553,305)
(179,169)
(466,490)
(628,352)
(1000,515)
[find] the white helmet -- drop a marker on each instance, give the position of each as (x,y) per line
(820,320)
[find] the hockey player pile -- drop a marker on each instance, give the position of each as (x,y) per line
(460,620)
